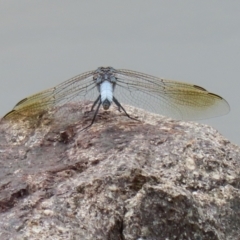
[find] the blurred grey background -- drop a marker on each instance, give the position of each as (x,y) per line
(44,43)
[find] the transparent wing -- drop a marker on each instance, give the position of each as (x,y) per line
(81,87)
(171,98)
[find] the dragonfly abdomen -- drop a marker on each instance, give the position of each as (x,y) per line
(106,92)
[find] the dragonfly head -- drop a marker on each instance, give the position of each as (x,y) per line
(106,104)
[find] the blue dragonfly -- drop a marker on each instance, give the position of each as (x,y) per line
(107,85)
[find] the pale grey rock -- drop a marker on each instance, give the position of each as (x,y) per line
(120,179)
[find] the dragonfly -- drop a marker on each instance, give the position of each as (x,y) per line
(108,85)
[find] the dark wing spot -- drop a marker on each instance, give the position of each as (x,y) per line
(9,113)
(200,88)
(213,94)
(22,101)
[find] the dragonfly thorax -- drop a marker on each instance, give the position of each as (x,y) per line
(104,74)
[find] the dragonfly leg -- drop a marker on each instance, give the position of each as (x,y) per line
(95,114)
(121,107)
(96,101)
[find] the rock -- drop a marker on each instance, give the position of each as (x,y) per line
(119,179)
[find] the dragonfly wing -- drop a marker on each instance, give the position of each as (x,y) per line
(81,87)
(171,98)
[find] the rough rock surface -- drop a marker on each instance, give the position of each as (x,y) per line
(120,179)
